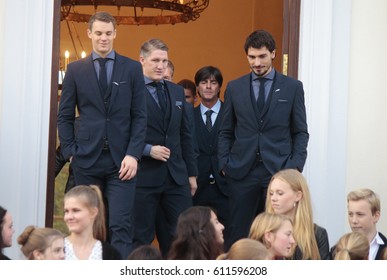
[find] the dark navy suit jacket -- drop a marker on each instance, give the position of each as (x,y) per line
(122,122)
(173,131)
(279,134)
(207,159)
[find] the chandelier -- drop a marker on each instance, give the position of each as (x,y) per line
(136,12)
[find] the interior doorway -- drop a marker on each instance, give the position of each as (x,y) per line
(216,38)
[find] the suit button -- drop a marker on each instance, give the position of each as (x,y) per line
(258,154)
(260,133)
(261,121)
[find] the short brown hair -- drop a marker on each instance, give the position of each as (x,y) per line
(151,45)
(102,16)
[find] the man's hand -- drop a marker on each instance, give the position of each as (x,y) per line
(160,153)
(128,168)
(193,184)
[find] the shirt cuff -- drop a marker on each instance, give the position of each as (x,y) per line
(147,150)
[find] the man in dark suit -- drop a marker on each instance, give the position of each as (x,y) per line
(264,130)
(212,188)
(167,173)
(109,92)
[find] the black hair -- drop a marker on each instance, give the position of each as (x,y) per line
(259,39)
(207,72)
(2,245)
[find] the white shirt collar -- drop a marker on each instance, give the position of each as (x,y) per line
(374,246)
(215,108)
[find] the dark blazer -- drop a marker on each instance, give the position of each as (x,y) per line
(322,244)
(173,131)
(207,145)
(381,247)
(279,134)
(122,122)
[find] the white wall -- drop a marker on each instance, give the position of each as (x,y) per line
(342,64)
(367,128)
(2,11)
(26,48)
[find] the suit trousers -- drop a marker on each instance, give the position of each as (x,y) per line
(170,198)
(247,200)
(208,194)
(119,196)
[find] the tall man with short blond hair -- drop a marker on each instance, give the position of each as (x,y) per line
(108,91)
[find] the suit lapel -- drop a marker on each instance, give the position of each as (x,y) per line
(172,104)
(278,85)
(118,71)
(220,114)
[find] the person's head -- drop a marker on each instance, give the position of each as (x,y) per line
(246,249)
(189,90)
(208,81)
(352,246)
(199,235)
(42,243)
(84,210)
(145,252)
(169,71)
(288,194)
(102,32)
(275,232)
(363,211)
(288,191)
(6,229)
(154,59)
(260,50)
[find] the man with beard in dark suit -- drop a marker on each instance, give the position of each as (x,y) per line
(264,130)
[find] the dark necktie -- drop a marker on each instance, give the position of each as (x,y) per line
(102,73)
(261,94)
(208,120)
(161,96)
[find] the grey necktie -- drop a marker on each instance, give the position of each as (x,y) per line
(208,120)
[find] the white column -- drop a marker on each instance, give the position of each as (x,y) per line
(323,68)
(26,46)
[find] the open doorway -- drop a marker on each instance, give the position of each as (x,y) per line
(216,38)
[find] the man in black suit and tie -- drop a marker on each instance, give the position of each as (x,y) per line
(109,92)
(167,173)
(212,187)
(264,130)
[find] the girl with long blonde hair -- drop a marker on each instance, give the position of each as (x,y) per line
(288,194)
